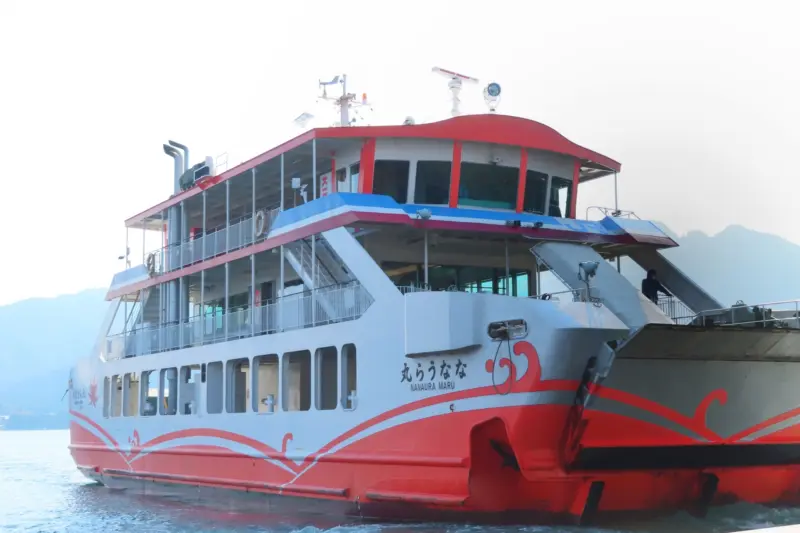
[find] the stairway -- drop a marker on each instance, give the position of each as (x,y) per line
(674,280)
(299,256)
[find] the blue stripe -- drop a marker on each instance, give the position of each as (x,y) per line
(320,206)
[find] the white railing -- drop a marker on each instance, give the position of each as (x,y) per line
(772,315)
(344,302)
(217,241)
(611,212)
(678,311)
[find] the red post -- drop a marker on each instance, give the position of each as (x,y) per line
(576,176)
(455,174)
(523,178)
(334,184)
(366,166)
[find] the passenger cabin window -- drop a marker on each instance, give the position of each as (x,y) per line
(189,389)
(535,191)
(391,179)
(149,405)
(131,383)
(297,381)
(106,396)
(116,395)
(327,366)
(169,391)
(349,381)
(487,185)
(214,383)
(432,185)
(238,385)
(560,197)
(265,383)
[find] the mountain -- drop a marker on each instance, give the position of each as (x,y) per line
(41,338)
(735,264)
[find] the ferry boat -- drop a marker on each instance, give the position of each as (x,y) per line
(354,322)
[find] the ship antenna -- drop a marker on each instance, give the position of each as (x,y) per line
(456,81)
(343,102)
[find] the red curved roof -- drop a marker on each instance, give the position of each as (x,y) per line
(488,128)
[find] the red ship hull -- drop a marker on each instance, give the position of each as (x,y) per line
(549,459)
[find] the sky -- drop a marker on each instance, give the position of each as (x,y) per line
(698,100)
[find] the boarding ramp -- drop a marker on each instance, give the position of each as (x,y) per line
(608,285)
(715,343)
(674,280)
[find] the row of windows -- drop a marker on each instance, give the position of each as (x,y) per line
(461,278)
(293,381)
(481,185)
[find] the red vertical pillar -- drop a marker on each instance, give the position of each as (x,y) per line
(523,177)
(332,188)
(366,166)
(455,174)
(576,176)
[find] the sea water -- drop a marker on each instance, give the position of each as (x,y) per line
(41,491)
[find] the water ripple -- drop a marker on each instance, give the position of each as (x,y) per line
(42,492)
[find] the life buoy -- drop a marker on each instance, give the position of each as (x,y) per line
(260,223)
(151,264)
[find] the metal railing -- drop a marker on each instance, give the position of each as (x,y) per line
(783,314)
(611,212)
(675,309)
(217,241)
(303,310)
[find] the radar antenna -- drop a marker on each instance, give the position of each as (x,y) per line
(343,102)
(456,81)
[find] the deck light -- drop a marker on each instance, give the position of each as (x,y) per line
(424,214)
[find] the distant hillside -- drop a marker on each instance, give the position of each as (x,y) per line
(41,338)
(736,264)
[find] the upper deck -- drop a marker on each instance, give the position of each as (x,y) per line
(499,141)
(487,162)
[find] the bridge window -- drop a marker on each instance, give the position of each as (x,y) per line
(535,191)
(560,197)
(486,185)
(391,179)
(432,185)
(354,172)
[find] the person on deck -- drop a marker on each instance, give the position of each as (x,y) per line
(651,287)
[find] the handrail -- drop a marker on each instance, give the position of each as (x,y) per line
(346,302)
(612,212)
(768,315)
(239,238)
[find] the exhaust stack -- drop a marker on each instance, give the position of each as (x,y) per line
(174,154)
(185,150)
(171,305)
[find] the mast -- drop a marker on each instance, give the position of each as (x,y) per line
(343,102)
(456,81)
